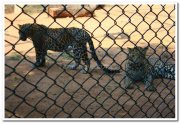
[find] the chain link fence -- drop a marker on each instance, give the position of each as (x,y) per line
(58,92)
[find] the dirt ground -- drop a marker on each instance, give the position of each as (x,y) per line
(56,91)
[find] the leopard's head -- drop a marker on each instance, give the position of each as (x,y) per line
(137,55)
(23,31)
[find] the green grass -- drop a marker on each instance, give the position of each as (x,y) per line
(7,74)
(15,56)
(67,56)
(63,56)
(33,9)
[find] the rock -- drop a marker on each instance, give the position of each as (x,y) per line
(72,10)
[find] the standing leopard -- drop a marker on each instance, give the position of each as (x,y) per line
(139,68)
(62,40)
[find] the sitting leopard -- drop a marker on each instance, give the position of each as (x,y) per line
(139,68)
(62,40)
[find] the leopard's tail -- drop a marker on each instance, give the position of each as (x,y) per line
(93,53)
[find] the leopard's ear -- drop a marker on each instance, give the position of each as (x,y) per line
(146,48)
(19,25)
(129,49)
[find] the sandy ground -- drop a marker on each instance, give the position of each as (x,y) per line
(55,91)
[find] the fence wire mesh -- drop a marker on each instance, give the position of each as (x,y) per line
(58,92)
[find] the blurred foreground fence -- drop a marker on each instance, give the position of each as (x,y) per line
(55,91)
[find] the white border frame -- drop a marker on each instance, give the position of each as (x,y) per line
(92,119)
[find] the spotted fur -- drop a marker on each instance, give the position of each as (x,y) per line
(62,40)
(139,68)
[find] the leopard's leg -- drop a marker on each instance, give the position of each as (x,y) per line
(128,83)
(86,60)
(40,57)
(81,53)
(148,81)
(77,58)
(75,65)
